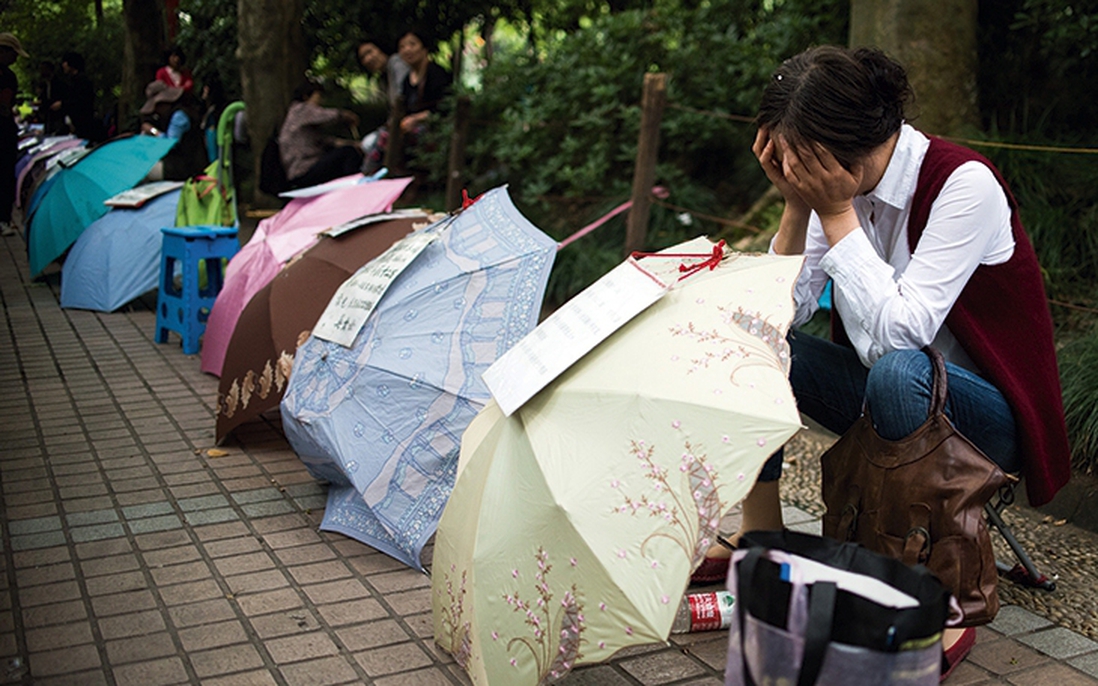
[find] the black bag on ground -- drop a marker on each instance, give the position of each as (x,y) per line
(812,610)
(272,175)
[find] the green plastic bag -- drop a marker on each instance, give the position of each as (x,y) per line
(205,202)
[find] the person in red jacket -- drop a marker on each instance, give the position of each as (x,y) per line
(174,74)
(922,243)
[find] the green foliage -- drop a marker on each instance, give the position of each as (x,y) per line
(207,34)
(48,29)
(558,119)
(1079,376)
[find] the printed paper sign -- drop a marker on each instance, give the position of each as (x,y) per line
(571,332)
(359,295)
(136,197)
(368,219)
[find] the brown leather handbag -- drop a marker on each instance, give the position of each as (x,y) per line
(920,500)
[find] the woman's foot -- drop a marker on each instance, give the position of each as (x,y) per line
(956,645)
(762,511)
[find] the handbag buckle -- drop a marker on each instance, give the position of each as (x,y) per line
(923,553)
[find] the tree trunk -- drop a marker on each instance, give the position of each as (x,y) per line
(272,64)
(936,41)
(144,48)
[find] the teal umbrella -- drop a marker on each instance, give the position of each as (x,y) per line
(75,198)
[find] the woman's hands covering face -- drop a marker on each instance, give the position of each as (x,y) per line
(818,178)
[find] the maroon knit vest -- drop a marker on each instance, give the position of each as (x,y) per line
(1002,321)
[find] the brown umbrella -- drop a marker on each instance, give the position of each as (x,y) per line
(280,316)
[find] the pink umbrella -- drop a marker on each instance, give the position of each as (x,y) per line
(275,241)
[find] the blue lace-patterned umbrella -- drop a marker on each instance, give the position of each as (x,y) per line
(382,420)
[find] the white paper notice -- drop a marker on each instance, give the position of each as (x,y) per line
(571,332)
(359,295)
(377,218)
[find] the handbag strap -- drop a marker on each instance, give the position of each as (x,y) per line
(817,635)
(940,388)
(821,615)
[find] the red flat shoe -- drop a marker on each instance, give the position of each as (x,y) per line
(712,570)
(957,652)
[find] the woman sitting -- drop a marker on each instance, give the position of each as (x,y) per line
(171,112)
(922,242)
(423,90)
(309,155)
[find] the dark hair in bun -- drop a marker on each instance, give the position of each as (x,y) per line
(848,100)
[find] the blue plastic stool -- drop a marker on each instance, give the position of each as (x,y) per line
(185,310)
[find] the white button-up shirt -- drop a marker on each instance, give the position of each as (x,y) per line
(888,298)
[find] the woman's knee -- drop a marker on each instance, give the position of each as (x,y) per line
(898,392)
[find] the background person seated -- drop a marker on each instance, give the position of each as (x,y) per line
(309,155)
(173,113)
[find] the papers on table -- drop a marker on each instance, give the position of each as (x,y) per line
(359,295)
(571,332)
(138,196)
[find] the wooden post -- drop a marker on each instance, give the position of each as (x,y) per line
(457,152)
(644,174)
(394,148)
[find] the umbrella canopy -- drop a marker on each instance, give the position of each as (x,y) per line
(276,319)
(75,198)
(382,420)
(575,523)
(275,241)
(117,258)
(33,164)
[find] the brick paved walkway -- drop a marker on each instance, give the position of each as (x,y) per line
(132,556)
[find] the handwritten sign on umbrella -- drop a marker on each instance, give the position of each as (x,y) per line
(359,295)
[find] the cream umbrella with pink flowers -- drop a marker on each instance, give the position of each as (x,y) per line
(575,522)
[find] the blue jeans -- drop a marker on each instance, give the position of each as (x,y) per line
(831,384)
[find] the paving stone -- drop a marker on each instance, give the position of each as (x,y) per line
(419,677)
(372,635)
(83,534)
(267,508)
(194,591)
(133,624)
(91,517)
(210,636)
(1052,674)
(284,623)
(161,672)
(45,574)
(116,583)
(59,636)
(42,540)
(64,661)
(225,660)
(1059,643)
(55,613)
(343,613)
(172,556)
(123,603)
(1013,620)
(151,524)
(205,612)
(1088,664)
(331,670)
(301,647)
(175,574)
(395,658)
(336,591)
(662,667)
(140,648)
(596,675)
(319,572)
(242,564)
(152,509)
(270,601)
(254,582)
(211,516)
(1005,656)
(256,495)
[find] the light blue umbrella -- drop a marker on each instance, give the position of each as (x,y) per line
(75,197)
(117,258)
(382,421)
